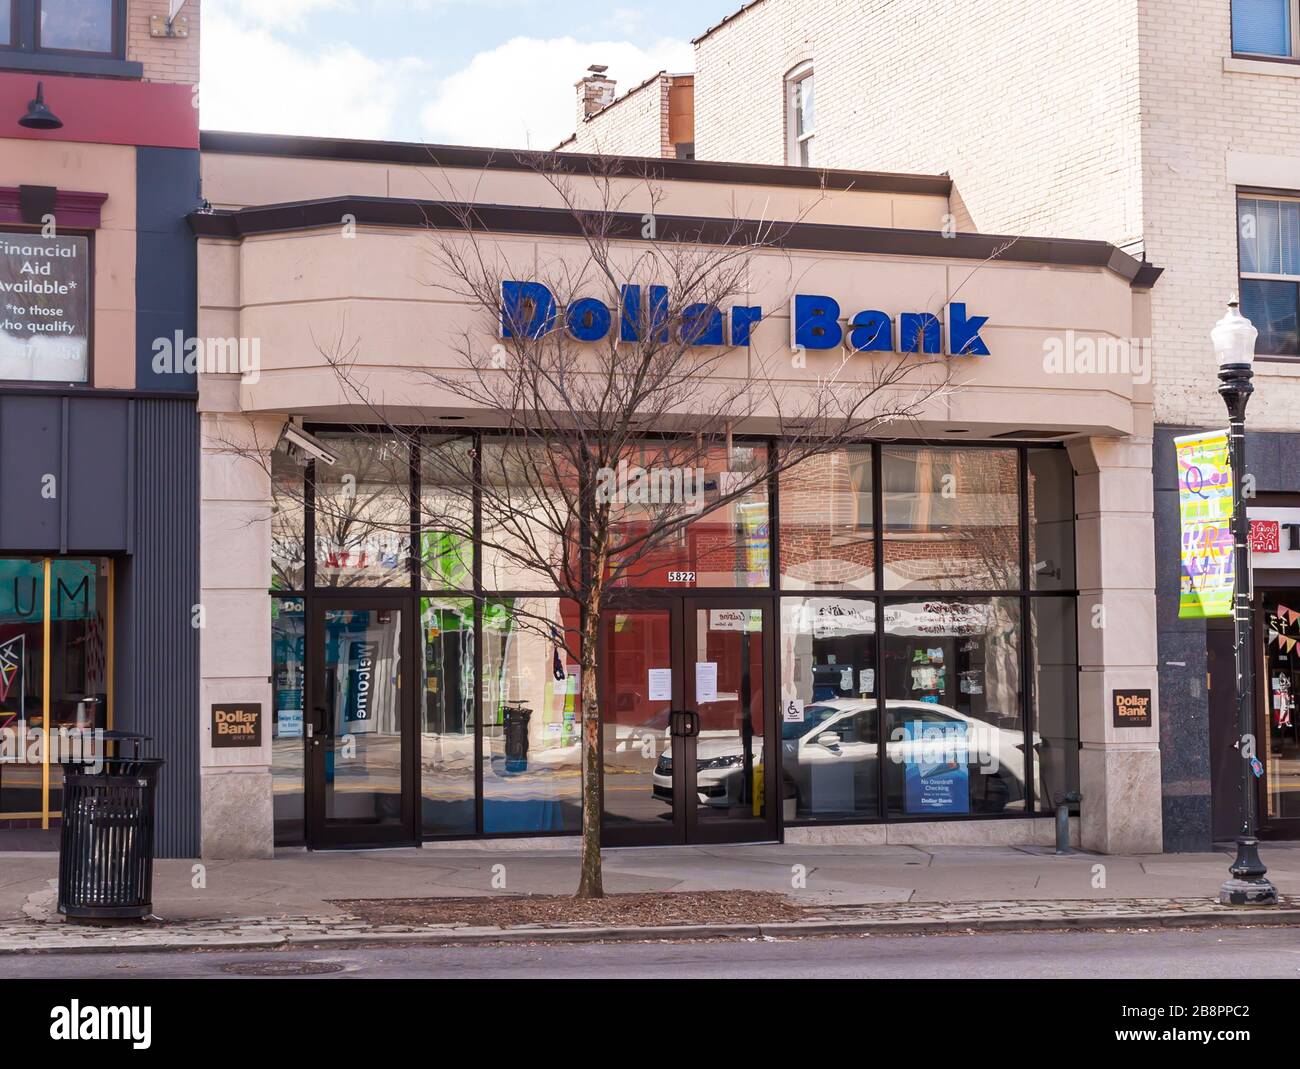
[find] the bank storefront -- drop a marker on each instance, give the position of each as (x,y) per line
(896,640)
(849,582)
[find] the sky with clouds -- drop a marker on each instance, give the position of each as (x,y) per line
(477,72)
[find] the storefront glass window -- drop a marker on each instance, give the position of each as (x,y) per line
(830,766)
(446,513)
(22,661)
(532,771)
(363,513)
(954,729)
(952,518)
(447,716)
(729,546)
(1055,738)
(529,499)
(6,22)
(1281,685)
(1051,520)
(288,645)
(950,666)
(287,531)
(73,644)
(827,525)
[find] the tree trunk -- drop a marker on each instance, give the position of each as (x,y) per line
(590,884)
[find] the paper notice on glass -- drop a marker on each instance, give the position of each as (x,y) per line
(660,684)
(706,681)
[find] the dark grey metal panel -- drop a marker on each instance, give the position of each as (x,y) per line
(158,650)
(98,475)
(81,442)
(31,430)
(1187,721)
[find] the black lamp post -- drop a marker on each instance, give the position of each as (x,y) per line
(1234,346)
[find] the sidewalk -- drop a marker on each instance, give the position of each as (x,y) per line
(296,898)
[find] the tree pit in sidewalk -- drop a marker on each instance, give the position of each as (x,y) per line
(640,910)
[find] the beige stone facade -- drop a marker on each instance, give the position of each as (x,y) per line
(369,283)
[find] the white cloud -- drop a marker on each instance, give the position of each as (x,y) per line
(261,75)
(254,81)
(290,14)
(520,94)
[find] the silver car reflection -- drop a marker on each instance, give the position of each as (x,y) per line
(830,760)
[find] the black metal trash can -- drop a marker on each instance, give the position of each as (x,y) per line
(517,716)
(106,848)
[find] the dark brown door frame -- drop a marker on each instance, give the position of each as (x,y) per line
(754,829)
(685,827)
(319,833)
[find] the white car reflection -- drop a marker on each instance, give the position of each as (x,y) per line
(719,769)
(830,760)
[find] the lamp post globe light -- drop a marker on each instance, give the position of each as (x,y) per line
(1233,338)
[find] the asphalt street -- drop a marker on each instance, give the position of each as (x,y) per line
(1261,953)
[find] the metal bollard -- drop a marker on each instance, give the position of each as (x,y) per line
(1063,820)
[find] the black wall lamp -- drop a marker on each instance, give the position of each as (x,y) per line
(38,116)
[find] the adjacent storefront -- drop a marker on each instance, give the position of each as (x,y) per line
(98,441)
(1275,561)
(913,639)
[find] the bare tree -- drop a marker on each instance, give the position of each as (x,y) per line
(616,397)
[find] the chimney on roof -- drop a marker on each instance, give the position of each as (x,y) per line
(595,91)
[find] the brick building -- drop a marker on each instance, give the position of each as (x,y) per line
(99,544)
(1166,129)
(655,118)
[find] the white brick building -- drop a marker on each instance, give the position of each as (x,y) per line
(1145,123)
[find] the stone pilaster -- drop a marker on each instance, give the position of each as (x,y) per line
(235,513)
(1119,768)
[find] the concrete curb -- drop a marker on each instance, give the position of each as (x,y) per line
(790,930)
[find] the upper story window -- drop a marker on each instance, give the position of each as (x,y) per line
(1266,27)
(801,116)
(64,32)
(1269,242)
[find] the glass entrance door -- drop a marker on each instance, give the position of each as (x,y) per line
(361,784)
(686,728)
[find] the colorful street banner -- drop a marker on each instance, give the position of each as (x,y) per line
(1205,506)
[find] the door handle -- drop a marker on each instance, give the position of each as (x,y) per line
(684,723)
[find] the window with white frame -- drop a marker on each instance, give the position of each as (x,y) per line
(801,116)
(1268,230)
(1266,28)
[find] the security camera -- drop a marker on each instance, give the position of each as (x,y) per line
(301,444)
